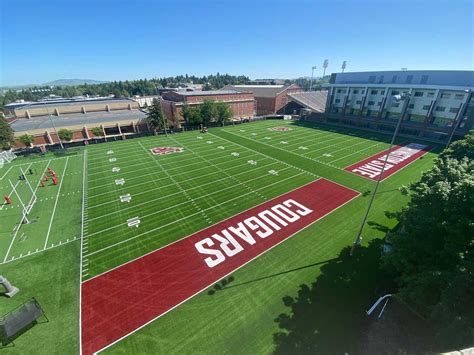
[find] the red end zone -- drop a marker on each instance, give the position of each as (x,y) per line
(124,299)
(400,156)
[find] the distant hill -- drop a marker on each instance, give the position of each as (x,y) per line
(73,82)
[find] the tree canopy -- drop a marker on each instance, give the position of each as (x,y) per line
(155,117)
(208,111)
(6,134)
(65,134)
(433,248)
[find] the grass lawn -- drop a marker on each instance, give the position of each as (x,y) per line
(217,175)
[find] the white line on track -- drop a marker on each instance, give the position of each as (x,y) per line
(55,204)
(82,246)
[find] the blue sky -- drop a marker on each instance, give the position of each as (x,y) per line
(44,40)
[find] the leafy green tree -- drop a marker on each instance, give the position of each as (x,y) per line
(208,111)
(6,134)
(156,118)
(65,134)
(433,248)
(223,112)
(27,139)
(97,131)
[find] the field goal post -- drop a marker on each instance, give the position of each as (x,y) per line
(19,320)
(6,157)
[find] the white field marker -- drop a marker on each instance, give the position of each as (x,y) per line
(235,154)
(115,170)
(327,155)
(220,147)
(254,134)
(273,172)
(209,142)
(111,160)
(268,138)
(284,142)
(199,137)
(252,162)
(110,152)
(133,222)
(126,198)
(302,147)
(120,181)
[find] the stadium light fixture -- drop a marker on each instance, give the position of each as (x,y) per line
(344,65)
(312,75)
(325,65)
(405,97)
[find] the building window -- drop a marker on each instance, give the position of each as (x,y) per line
(426,107)
(395,92)
(382,92)
(424,79)
(362,92)
(458,96)
(430,94)
(381,79)
(409,79)
(355,91)
(337,101)
(418,93)
(411,106)
(358,102)
(454,109)
(445,95)
(371,103)
(440,108)
(379,103)
(394,79)
(374,92)
(395,104)
(372,79)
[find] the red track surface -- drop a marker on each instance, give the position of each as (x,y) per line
(401,155)
(124,299)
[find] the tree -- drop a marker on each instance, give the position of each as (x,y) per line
(27,139)
(6,134)
(97,131)
(65,134)
(433,247)
(223,112)
(155,117)
(208,111)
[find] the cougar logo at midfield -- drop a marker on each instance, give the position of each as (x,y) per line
(233,239)
(166,150)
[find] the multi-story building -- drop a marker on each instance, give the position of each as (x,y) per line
(241,103)
(438,102)
(269,98)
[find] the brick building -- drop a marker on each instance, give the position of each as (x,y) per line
(242,103)
(270,98)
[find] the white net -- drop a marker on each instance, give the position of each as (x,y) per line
(6,157)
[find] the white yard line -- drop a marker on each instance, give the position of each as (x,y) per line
(359,151)
(174,194)
(19,224)
(188,216)
(3,205)
(10,168)
(55,204)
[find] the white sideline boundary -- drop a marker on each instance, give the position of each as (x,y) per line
(81,252)
(55,204)
(241,266)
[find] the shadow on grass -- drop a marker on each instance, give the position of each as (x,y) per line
(328,316)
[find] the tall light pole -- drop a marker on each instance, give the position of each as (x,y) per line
(312,75)
(325,65)
(343,67)
(458,121)
(54,127)
(405,97)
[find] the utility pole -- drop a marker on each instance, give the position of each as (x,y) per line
(54,127)
(459,119)
(406,99)
(312,74)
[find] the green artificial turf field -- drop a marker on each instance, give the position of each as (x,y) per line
(218,174)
